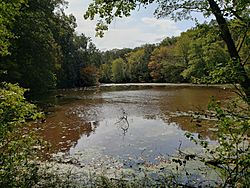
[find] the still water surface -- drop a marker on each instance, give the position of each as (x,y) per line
(127,121)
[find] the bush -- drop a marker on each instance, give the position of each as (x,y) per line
(17,167)
(230,157)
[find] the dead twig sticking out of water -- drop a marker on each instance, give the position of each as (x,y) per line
(123,122)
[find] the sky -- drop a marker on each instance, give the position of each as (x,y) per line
(138,29)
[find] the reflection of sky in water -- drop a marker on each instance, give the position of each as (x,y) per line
(147,137)
(90,119)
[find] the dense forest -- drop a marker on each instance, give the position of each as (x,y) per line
(46,53)
(195,56)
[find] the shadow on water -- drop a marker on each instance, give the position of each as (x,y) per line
(128,120)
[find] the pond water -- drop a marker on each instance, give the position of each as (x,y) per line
(142,121)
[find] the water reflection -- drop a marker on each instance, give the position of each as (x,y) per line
(131,120)
(63,129)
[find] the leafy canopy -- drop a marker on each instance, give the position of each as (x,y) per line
(9,10)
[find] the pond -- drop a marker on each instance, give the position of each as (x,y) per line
(129,121)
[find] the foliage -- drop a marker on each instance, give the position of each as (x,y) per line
(78,53)
(230,156)
(105,73)
(17,168)
(9,10)
(233,152)
(89,75)
(155,65)
(168,41)
(46,52)
(199,55)
(34,53)
(205,52)
(136,65)
(165,66)
(118,67)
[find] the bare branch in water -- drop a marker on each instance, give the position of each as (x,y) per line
(123,122)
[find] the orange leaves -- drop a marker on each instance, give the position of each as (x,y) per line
(89,70)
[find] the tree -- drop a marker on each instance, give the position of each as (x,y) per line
(46,53)
(118,67)
(63,31)
(107,58)
(88,58)
(148,50)
(89,75)
(135,64)
(18,167)
(75,57)
(35,54)
(105,73)
(183,9)
(203,52)
(9,10)
(168,41)
(165,66)
(182,46)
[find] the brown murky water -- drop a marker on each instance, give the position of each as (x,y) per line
(129,120)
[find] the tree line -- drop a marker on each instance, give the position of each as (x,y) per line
(198,55)
(46,53)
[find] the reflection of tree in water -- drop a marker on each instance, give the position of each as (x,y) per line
(92,127)
(123,122)
(188,108)
(194,122)
(204,127)
(63,130)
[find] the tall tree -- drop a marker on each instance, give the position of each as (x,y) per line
(135,65)
(203,51)
(182,47)
(118,67)
(105,73)
(45,52)
(165,66)
(9,10)
(63,28)
(35,53)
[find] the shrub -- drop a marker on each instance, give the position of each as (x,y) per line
(17,167)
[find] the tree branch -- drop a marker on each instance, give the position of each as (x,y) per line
(239,46)
(245,61)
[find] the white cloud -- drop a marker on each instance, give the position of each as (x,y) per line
(126,32)
(162,25)
(129,37)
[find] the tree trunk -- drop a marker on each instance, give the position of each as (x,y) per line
(227,37)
